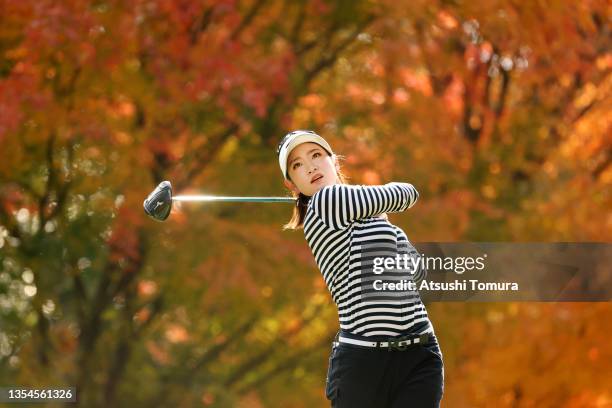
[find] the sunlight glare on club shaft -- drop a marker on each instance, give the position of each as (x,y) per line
(204,198)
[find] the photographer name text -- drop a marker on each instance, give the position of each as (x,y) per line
(458,285)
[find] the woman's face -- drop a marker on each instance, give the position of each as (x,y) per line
(310,168)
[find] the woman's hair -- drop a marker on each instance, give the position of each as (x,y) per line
(299,210)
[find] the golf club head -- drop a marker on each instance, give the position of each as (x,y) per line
(159,203)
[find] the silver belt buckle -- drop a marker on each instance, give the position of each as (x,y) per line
(395,344)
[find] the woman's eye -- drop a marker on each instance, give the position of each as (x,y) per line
(295,165)
(316,154)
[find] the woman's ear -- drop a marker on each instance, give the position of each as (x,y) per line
(291,186)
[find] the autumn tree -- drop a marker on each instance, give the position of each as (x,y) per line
(497,111)
(102,100)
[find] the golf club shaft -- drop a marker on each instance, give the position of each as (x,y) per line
(206,198)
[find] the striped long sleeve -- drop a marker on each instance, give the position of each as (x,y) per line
(343,232)
(420,273)
(340,204)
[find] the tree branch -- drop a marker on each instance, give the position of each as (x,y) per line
(603,165)
(130,335)
(247,19)
(501,102)
(202,160)
(286,364)
(330,58)
(200,25)
(188,375)
(298,24)
(262,357)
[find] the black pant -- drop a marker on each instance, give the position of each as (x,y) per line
(360,377)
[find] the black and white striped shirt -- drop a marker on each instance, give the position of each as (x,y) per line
(340,221)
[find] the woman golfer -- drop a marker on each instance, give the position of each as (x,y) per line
(386,353)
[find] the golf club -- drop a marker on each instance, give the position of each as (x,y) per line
(158,204)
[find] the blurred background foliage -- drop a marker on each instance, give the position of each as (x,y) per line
(497,111)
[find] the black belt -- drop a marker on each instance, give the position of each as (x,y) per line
(400,343)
